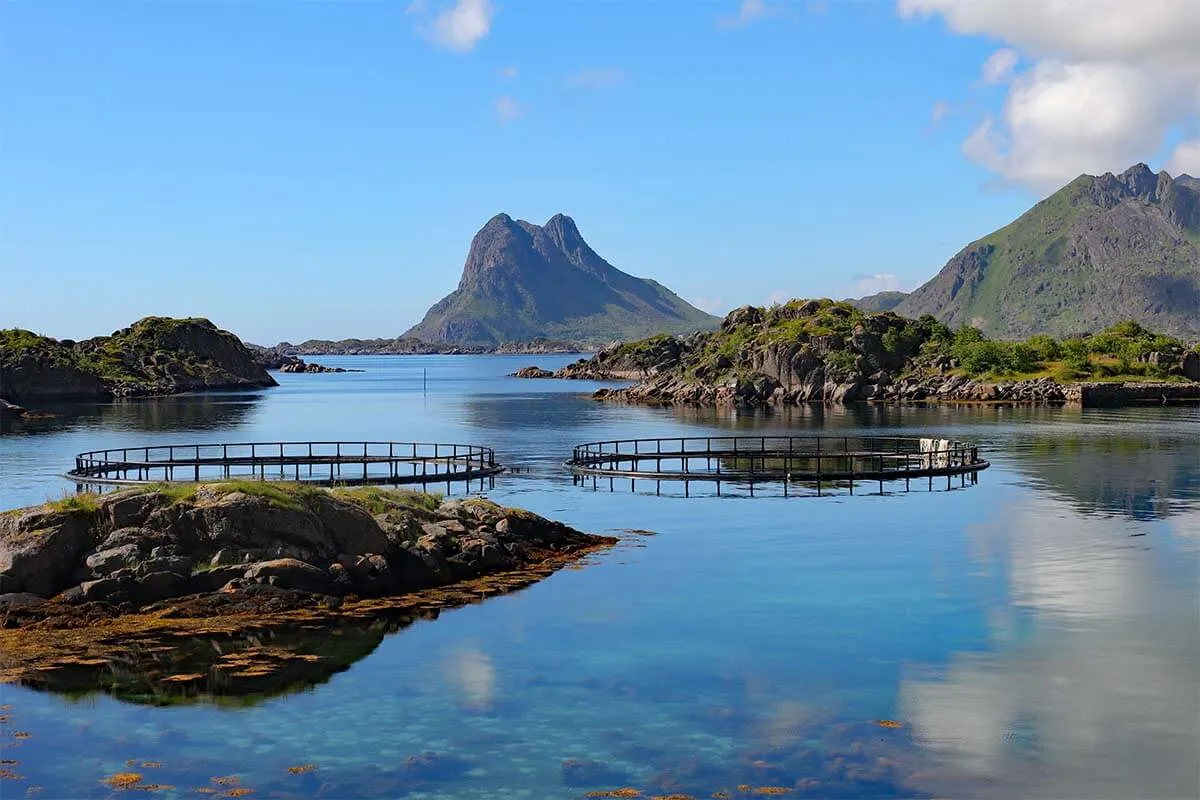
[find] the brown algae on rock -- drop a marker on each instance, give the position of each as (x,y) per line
(350,558)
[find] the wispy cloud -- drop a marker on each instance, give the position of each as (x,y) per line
(780,296)
(507,109)
(749,11)
(511,72)
(938,113)
(596,79)
(713,305)
(879,282)
(999,66)
(457,27)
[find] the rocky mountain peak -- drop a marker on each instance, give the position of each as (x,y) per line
(522,281)
(562,231)
(1140,181)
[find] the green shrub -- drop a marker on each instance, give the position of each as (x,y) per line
(1044,348)
(1075,353)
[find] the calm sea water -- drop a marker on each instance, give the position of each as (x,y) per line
(1037,634)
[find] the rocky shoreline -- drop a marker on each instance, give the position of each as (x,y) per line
(82,574)
(154,356)
(405,346)
(820,352)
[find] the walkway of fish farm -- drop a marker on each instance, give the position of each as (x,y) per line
(327,463)
(795,462)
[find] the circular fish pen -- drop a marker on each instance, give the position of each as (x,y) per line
(799,464)
(323,463)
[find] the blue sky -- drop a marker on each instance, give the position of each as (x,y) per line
(317,169)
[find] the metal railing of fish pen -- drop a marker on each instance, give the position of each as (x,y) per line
(813,461)
(326,463)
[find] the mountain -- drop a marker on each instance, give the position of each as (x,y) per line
(1100,250)
(523,281)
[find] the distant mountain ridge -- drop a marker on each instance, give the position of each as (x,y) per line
(523,281)
(1100,250)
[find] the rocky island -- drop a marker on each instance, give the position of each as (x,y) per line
(821,351)
(89,579)
(154,356)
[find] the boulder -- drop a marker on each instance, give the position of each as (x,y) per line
(177,564)
(291,573)
(349,528)
(19,600)
(107,589)
(40,550)
(106,562)
(157,586)
(210,580)
(130,509)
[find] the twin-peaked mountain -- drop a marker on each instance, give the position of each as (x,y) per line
(522,281)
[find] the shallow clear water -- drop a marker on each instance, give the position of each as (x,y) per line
(1037,634)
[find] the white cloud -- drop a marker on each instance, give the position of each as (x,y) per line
(939,111)
(879,282)
(596,79)
(1186,158)
(511,72)
(999,66)
(713,305)
(507,109)
(458,27)
(1109,82)
(749,11)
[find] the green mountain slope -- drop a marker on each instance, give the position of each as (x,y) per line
(1100,250)
(523,281)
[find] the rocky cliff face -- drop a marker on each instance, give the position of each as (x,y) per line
(154,356)
(522,281)
(1101,250)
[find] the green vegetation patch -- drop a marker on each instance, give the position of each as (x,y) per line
(377,500)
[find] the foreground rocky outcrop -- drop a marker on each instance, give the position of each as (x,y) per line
(224,558)
(819,351)
(146,545)
(154,356)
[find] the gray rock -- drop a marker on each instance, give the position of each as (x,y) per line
(159,586)
(351,529)
(111,589)
(176,564)
(291,573)
(106,562)
(123,536)
(19,600)
(40,550)
(210,580)
(130,509)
